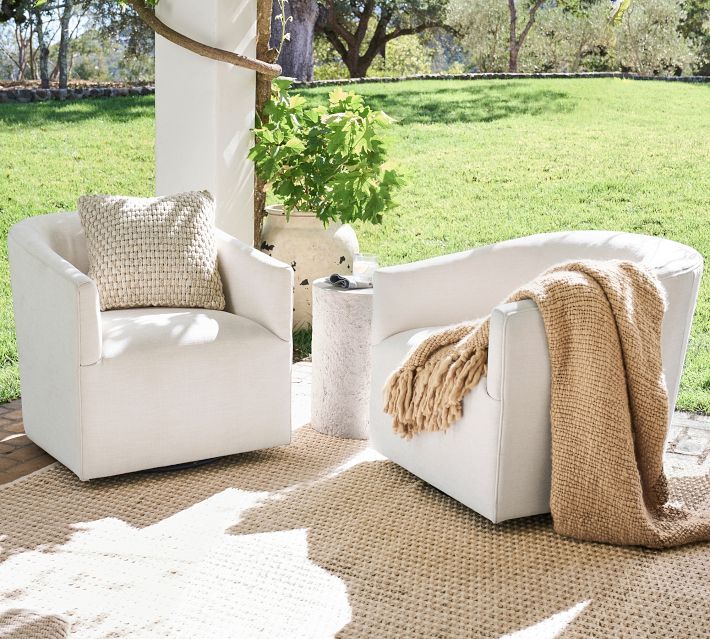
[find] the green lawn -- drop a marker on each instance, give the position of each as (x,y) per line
(51,153)
(484,161)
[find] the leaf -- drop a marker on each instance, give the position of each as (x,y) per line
(282,84)
(313,115)
(296,101)
(382,118)
(265,135)
(338,96)
(296,144)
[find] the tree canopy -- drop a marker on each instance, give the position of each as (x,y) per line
(359,30)
(145,9)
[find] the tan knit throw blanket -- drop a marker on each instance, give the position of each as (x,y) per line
(609,405)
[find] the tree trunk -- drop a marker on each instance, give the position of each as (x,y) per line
(513,59)
(263,92)
(513,43)
(352,63)
(43,48)
(33,70)
(63,56)
(360,69)
(296,57)
(516,42)
(21,42)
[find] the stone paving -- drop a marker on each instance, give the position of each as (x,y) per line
(688,446)
(18,455)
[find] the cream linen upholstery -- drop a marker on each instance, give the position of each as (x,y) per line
(496,459)
(124,390)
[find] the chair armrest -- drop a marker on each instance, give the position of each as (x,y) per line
(56,305)
(519,378)
(439,291)
(256,286)
(518,356)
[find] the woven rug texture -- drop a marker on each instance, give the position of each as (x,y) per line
(322,538)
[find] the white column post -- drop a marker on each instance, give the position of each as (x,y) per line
(204,109)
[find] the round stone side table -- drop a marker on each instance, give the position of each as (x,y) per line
(342,323)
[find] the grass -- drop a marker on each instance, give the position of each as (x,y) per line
(488,161)
(50,154)
(301,344)
(484,161)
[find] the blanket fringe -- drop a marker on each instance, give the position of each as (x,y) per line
(427,398)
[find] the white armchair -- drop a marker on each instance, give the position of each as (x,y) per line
(124,390)
(496,459)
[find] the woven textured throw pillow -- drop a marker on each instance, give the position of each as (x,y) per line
(157,251)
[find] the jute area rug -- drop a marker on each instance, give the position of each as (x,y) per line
(323,538)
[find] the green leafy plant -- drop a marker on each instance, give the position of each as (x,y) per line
(325,159)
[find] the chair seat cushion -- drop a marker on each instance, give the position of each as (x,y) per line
(175,385)
(142,331)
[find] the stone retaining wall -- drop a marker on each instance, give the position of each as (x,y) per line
(20,94)
(506,76)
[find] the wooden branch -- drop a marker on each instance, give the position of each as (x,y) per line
(337,43)
(531,21)
(263,93)
(512,9)
(237,59)
(7,53)
(78,23)
(413,30)
(379,39)
(336,27)
(364,21)
(264,52)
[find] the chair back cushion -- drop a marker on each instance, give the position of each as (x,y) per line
(153,251)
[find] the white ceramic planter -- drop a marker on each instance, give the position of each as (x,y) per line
(312,250)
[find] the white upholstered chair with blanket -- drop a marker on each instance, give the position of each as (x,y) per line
(124,390)
(496,459)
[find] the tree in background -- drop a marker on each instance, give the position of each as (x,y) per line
(119,22)
(94,57)
(66,14)
(575,35)
(16,47)
(37,18)
(570,39)
(39,13)
(293,28)
(495,29)
(695,27)
(19,49)
(357,30)
(360,30)
(516,38)
(650,41)
(407,55)
(483,25)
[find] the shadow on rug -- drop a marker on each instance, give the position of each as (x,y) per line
(321,539)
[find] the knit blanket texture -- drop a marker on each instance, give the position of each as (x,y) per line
(609,407)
